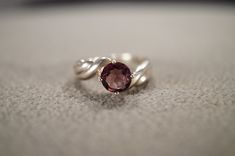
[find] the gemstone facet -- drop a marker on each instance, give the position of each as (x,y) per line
(116,77)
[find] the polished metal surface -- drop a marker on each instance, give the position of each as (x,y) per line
(85,69)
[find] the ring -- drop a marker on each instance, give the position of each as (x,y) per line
(114,72)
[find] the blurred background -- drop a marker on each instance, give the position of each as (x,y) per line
(50,28)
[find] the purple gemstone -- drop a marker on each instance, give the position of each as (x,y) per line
(116,77)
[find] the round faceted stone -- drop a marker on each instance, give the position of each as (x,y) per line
(116,77)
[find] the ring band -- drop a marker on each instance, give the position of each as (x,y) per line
(115,72)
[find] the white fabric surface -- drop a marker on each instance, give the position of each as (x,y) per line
(188,108)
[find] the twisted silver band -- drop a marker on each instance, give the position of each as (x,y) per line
(85,69)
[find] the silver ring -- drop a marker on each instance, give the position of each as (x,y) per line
(115,71)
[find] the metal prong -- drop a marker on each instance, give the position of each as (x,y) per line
(132,75)
(113,61)
(116,93)
(99,79)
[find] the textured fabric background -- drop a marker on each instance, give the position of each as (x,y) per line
(187,109)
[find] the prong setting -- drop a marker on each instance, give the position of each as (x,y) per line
(116,77)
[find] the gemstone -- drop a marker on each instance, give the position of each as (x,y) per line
(116,77)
